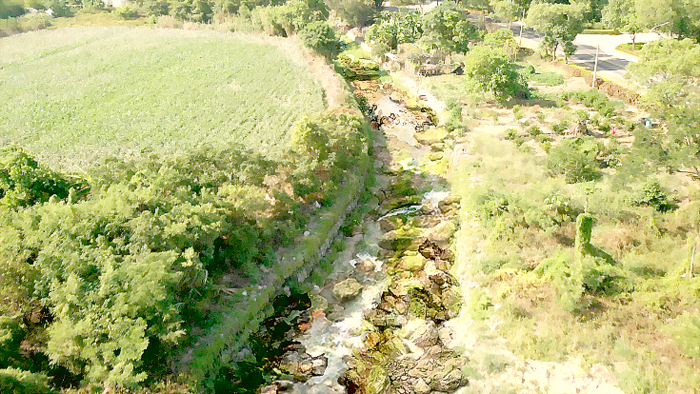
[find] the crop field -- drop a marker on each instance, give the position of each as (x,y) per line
(73,95)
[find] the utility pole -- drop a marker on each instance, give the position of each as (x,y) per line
(595,66)
(522,24)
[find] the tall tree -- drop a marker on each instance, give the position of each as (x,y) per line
(446,28)
(355,12)
(508,10)
(560,23)
(623,15)
(490,69)
(672,70)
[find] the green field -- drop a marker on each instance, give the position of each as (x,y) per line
(73,95)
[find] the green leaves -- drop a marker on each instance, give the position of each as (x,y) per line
(23,181)
(560,23)
(575,159)
(493,71)
(320,37)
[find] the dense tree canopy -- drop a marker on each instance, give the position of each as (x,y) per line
(492,70)
(671,68)
(447,29)
(560,23)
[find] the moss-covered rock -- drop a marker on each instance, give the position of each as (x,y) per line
(347,289)
(441,234)
(414,262)
(431,136)
(377,380)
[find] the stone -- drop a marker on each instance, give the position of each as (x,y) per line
(449,203)
(449,382)
(318,302)
(441,234)
(394,241)
(446,335)
(437,147)
(387,225)
(420,387)
(284,385)
(319,365)
(365,266)
(270,389)
(298,365)
(347,289)
(377,380)
(336,313)
(431,136)
(431,251)
(435,156)
(412,263)
(372,339)
(425,336)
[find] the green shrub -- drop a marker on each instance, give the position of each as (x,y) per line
(686,333)
(547,78)
(59,8)
(11,8)
(601,31)
(320,37)
(652,194)
(575,159)
(559,128)
(24,181)
(352,68)
(566,275)
(517,112)
(511,134)
(127,11)
(611,155)
(534,131)
(17,381)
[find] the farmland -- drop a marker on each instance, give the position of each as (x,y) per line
(73,95)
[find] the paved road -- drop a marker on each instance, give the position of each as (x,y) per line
(612,64)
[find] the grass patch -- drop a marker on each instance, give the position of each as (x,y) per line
(73,95)
(636,313)
(631,49)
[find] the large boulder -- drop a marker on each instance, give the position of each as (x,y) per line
(425,336)
(347,289)
(377,380)
(412,262)
(302,366)
(441,234)
(431,136)
(420,387)
(448,382)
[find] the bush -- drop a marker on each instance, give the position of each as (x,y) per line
(59,8)
(652,194)
(595,99)
(575,159)
(320,37)
(352,68)
(17,381)
(128,11)
(511,134)
(534,131)
(548,78)
(560,127)
(24,181)
(10,8)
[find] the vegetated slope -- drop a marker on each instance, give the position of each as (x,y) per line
(73,95)
(108,274)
